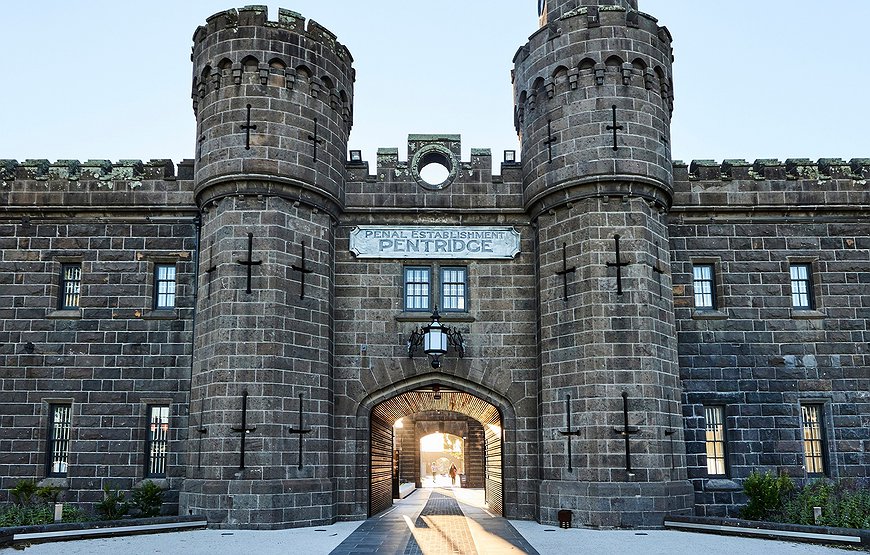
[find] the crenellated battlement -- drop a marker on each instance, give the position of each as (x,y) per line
(594,66)
(763,169)
(797,185)
(38,188)
(399,184)
(253,16)
(294,68)
(94,170)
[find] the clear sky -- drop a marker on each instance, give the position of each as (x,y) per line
(111,79)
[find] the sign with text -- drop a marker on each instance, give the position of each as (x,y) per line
(478,242)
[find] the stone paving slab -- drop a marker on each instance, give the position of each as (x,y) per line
(441,521)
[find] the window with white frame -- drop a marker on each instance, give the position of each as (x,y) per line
(164,286)
(446,287)
(704,286)
(801,286)
(454,289)
(418,288)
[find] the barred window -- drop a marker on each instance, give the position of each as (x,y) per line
(814,439)
(158,439)
(164,286)
(453,289)
(417,288)
(57,446)
(704,286)
(70,286)
(715,440)
(801,286)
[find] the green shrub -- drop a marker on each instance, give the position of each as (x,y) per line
(23,492)
(34,505)
(147,499)
(113,506)
(74,514)
(19,515)
(766,494)
(843,504)
(49,494)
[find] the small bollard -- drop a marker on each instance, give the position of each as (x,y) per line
(817,515)
(58,512)
(565,519)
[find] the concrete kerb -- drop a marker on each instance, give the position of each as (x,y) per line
(770,530)
(110,528)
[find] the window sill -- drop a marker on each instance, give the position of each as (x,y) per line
(721,484)
(55,481)
(709,315)
(427,317)
(160,482)
(65,314)
(803,314)
(160,315)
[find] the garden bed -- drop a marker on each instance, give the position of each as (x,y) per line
(770,530)
(80,530)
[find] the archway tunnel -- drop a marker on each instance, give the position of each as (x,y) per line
(404,430)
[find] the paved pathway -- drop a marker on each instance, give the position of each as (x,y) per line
(433,522)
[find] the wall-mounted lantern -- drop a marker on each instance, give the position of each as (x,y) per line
(436,338)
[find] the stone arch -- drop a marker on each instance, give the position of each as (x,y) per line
(613,63)
(277,72)
(303,72)
(639,65)
(250,63)
(503,404)
(202,84)
(587,65)
(560,78)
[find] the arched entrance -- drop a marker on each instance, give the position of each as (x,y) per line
(445,407)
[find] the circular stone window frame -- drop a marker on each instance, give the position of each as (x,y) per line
(434,154)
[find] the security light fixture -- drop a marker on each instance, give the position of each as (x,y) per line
(436,338)
(356,156)
(437,392)
(510,156)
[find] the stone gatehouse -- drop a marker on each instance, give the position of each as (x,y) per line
(627,336)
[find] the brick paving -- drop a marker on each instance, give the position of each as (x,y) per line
(433,522)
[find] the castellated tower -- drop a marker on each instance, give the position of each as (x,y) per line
(273,102)
(593,102)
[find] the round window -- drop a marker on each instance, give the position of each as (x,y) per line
(434,167)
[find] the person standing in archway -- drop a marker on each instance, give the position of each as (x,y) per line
(453,472)
(434,470)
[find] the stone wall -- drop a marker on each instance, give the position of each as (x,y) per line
(755,354)
(114,355)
